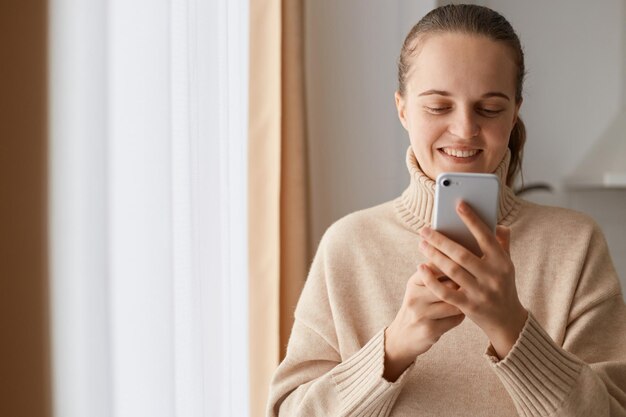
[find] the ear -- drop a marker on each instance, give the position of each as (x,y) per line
(401,107)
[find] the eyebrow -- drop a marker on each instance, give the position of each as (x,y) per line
(446,94)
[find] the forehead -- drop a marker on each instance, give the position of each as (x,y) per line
(462,64)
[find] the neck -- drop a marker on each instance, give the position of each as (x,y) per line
(416,203)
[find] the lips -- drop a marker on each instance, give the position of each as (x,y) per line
(460,153)
(460,156)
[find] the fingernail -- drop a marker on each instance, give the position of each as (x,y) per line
(425,231)
(462,207)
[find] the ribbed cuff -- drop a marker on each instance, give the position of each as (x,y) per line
(537,373)
(359,380)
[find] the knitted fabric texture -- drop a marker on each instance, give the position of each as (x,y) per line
(569,360)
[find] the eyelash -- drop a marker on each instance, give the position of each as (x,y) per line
(440,110)
(437,110)
(491,112)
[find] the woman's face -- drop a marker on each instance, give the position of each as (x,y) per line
(459,105)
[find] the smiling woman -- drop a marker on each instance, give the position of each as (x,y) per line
(470,77)
(397,319)
(458,104)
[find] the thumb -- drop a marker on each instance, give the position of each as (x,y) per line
(503,236)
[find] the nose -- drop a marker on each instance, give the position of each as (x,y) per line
(464,124)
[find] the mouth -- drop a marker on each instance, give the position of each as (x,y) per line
(460,155)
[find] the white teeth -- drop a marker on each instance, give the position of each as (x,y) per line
(459,153)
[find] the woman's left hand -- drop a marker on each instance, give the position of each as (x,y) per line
(487,294)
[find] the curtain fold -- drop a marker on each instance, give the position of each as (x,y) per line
(264,197)
(278,185)
(294,176)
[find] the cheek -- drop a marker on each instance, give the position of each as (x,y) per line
(499,133)
(425,130)
(424,138)
(498,142)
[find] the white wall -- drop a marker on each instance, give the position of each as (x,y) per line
(357,146)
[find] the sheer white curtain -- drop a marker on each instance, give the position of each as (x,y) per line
(148,122)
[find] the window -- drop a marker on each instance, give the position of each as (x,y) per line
(148,217)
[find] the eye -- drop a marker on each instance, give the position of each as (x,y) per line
(490,112)
(437,109)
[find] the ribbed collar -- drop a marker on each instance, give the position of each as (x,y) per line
(415,205)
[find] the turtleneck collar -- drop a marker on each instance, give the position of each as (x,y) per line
(416,203)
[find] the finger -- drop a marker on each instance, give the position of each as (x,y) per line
(444,293)
(440,275)
(449,248)
(441,310)
(416,291)
(420,296)
(426,296)
(503,236)
(417,279)
(449,283)
(482,233)
(449,267)
(439,240)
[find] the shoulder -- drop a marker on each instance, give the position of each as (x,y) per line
(361,226)
(363,231)
(547,232)
(550,218)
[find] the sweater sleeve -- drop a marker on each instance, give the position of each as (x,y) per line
(586,376)
(315,379)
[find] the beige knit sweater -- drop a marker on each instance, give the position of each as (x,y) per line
(569,360)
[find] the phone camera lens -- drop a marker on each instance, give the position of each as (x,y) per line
(446,183)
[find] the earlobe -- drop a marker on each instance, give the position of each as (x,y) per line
(401,109)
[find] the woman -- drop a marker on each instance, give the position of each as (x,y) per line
(535,327)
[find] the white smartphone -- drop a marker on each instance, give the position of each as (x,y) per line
(480,191)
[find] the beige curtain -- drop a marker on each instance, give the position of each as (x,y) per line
(278,185)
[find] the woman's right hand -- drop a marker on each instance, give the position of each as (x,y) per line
(421,321)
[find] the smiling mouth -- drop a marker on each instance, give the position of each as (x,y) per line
(460,153)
